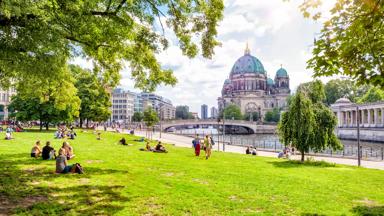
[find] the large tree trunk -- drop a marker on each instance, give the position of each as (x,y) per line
(47,126)
(81,122)
(302,156)
(41,125)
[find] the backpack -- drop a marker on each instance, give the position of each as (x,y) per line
(212,142)
(79,169)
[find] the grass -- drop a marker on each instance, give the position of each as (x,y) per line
(121,180)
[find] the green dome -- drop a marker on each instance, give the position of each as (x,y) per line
(227,81)
(247,64)
(281,73)
(270,81)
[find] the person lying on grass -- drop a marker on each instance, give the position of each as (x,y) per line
(48,152)
(68,150)
(160,148)
(63,167)
(123,142)
(36,150)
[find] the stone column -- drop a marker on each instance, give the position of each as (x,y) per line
(369,117)
(362,117)
(375,118)
(382,117)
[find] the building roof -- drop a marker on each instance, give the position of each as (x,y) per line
(247,64)
(281,73)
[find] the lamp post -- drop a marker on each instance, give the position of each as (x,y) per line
(223,131)
(358,136)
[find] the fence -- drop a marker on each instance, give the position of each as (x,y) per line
(369,152)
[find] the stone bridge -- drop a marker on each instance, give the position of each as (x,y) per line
(252,127)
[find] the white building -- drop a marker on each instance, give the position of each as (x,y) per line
(251,88)
(5,99)
(161,105)
(214,112)
(123,103)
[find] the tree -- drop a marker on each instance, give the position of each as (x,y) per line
(374,94)
(254,116)
(39,38)
(308,123)
(51,100)
(272,116)
(137,117)
(95,100)
(150,118)
(232,111)
(351,41)
(182,112)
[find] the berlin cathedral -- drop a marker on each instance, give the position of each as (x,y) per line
(250,88)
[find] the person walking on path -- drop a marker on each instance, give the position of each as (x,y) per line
(208,147)
(196,145)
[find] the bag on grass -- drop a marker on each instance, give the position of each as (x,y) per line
(79,169)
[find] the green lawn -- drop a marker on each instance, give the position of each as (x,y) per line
(121,180)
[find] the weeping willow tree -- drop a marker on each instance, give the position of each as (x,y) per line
(309,124)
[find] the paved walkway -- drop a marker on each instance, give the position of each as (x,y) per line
(182,141)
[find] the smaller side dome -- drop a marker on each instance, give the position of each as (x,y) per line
(227,81)
(343,100)
(270,82)
(281,73)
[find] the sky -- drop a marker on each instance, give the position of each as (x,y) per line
(277,34)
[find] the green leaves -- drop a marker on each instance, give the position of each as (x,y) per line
(351,42)
(40,37)
(150,117)
(232,111)
(308,124)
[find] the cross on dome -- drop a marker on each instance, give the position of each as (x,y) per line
(247,50)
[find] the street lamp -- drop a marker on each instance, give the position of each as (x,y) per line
(358,136)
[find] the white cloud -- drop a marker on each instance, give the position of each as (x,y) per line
(277,34)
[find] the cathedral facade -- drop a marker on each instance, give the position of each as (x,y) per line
(250,88)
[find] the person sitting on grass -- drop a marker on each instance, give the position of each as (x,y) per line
(248,150)
(123,142)
(98,136)
(68,150)
(36,150)
(63,167)
(254,151)
(8,136)
(160,148)
(48,152)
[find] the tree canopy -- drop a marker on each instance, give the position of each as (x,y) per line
(232,111)
(182,112)
(95,100)
(137,117)
(374,94)
(308,124)
(150,117)
(272,116)
(40,37)
(351,41)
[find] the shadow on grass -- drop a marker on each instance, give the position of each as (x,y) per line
(22,191)
(368,210)
(296,163)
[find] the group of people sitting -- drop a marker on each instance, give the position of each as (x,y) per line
(251,150)
(159,148)
(48,152)
(287,152)
(65,153)
(205,144)
(62,134)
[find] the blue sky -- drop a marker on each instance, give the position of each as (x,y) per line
(276,32)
